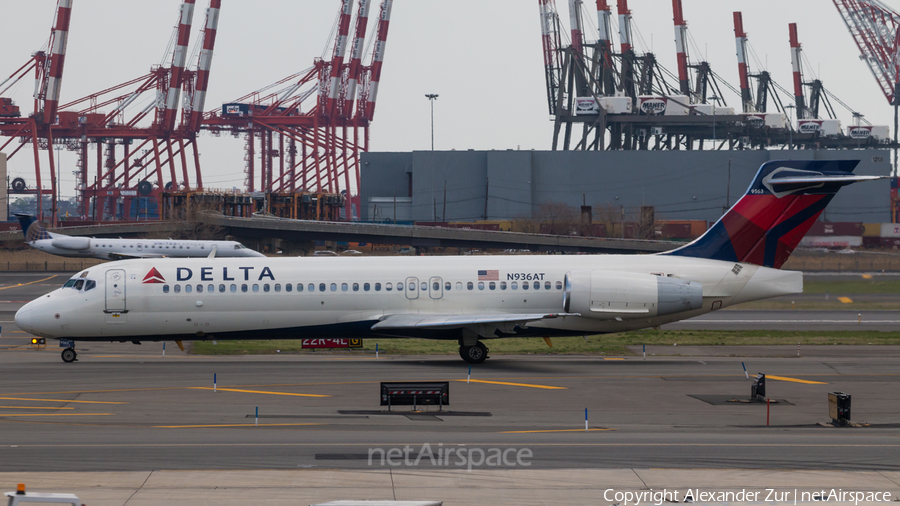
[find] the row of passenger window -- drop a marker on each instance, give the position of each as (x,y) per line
(344,287)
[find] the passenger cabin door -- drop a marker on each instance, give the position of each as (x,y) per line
(435,288)
(412,288)
(115,291)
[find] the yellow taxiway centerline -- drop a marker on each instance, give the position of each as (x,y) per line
(545,387)
(845,300)
(258,392)
(795,380)
(59,400)
(29,283)
(56,414)
(550,430)
(235,425)
(29,407)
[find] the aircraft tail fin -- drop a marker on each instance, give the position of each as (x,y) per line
(32,229)
(779,208)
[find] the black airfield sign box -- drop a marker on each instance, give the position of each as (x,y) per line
(434,393)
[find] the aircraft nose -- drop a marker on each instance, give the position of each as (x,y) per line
(23,318)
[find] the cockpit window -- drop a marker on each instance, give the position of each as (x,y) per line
(70,283)
(79,284)
(90,285)
(237,246)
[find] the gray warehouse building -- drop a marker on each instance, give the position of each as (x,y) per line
(506,185)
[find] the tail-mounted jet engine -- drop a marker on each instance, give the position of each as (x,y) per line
(74,243)
(607,295)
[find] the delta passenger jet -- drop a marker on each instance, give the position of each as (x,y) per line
(465,299)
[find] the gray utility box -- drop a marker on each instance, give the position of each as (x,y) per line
(839,408)
(758,388)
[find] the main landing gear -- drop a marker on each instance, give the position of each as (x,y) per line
(476,354)
(69,355)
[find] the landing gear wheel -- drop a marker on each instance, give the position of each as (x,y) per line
(69,355)
(474,354)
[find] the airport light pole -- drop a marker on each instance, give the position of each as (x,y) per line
(431,98)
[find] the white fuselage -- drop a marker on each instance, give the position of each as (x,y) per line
(112,249)
(183,299)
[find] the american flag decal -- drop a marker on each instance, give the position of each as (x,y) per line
(488,275)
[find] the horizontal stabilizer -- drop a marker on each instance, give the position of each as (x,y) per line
(844,180)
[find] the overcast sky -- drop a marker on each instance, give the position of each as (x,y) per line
(483,57)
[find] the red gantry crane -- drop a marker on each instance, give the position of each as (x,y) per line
(875,27)
(765,86)
(325,111)
(124,143)
(37,128)
(706,80)
(161,144)
(818,97)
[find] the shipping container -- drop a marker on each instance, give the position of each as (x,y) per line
(465,225)
(890,242)
(68,119)
(235,109)
(827,127)
(693,228)
(702,109)
(8,109)
(696,228)
(586,106)
(671,231)
(674,105)
(863,132)
(830,228)
(710,109)
(838,241)
(871,230)
(92,119)
(505,225)
(890,230)
(617,105)
(772,120)
(873,242)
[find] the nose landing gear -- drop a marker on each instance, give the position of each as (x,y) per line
(476,354)
(69,355)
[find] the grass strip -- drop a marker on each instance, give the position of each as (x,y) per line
(612,344)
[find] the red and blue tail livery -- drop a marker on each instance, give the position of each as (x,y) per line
(781,205)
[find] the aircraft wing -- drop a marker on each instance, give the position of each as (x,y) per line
(433,321)
(126,256)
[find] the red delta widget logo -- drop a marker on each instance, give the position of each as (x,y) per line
(154,277)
